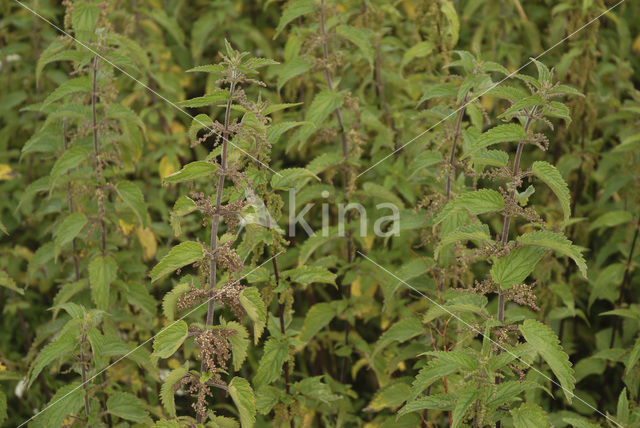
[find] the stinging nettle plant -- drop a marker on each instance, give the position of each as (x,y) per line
(481,384)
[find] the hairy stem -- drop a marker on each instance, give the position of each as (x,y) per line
(83,369)
(96,151)
(452,155)
(346,289)
(74,256)
(507,217)
(215,223)
(383,99)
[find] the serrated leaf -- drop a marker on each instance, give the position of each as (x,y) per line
(545,342)
(439,90)
(490,158)
(254,306)
(611,219)
(206,100)
(69,159)
(181,255)
(132,196)
(208,68)
(389,396)
(317,318)
(239,343)
(69,229)
(294,10)
(580,423)
(291,178)
(323,104)
(67,400)
(71,86)
(552,178)
(434,370)
(306,275)
(401,331)
(169,339)
(291,69)
(496,135)
(244,399)
(102,272)
(558,243)
(8,282)
(477,232)
(191,171)
(436,402)
(466,398)
(361,37)
(167,390)
(62,346)
(419,50)
(84,18)
(529,415)
(324,161)
(479,202)
(276,130)
(170,300)
(128,406)
(634,357)
(515,267)
(275,354)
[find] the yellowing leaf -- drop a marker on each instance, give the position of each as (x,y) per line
(147,241)
(167,166)
(6,173)
(126,227)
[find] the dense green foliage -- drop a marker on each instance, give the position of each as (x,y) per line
(471,170)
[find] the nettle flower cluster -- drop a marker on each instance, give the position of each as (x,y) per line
(237,163)
(480,385)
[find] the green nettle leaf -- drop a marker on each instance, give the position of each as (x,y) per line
(102,272)
(71,86)
(244,399)
(291,178)
(293,11)
(167,390)
(530,415)
(490,157)
(66,401)
(199,122)
(170,300)
(181,255)
(84,17)
(435,402)
(361,37)
(69,159)
(239,343)
(434,370)
(324,161)
(8,282)
(191,171)
(291,69)
(580,423)
(611,219)
(389,396)
(439,90)
(206,100)
(419,50)
(275,354)
(169,339)
(634,356)
(63,346)
(317,318)
(496,135)
(545,342)
(306,275)
(558,243)
(254,306)
(466,398)
(132,196)
(552,178)
(401,331)
(208,68)
(69,229)
(479,202)
(476,232)
(515,267)
(128,406)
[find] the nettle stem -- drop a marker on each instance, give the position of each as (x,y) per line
(512,193)
(96,151)
(74,256)
(215,223)
(383,98)
(346,289)
(452,156)
(83,370)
